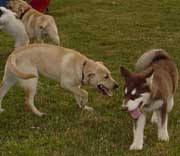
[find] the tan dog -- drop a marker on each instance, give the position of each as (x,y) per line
(37,24)
(68,67)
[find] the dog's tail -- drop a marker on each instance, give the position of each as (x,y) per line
(16,71)
(149,57)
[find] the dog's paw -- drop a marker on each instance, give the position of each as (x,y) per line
(163,136)
(136,147)
(1,110)
(90,109)
(40,114)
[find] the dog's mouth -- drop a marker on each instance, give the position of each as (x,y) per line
(104,90)
(136,113)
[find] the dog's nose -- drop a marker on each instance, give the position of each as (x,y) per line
(115,86)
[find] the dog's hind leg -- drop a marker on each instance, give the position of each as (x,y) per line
(154,118)
(8,81)
(163,127)
(30,91)
(170,103)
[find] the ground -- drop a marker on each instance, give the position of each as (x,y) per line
(116,32)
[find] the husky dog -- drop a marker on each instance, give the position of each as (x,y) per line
(13,26)
(150,88)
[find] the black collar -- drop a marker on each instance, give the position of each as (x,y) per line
(82,76)
(25,11)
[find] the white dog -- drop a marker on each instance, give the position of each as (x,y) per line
(13,26)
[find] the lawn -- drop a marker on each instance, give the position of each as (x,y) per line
(116,32)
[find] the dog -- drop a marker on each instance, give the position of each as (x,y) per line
(13,26)
(150,89)
(37,24)
(68,67)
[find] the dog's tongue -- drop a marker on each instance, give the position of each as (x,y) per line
(106,91)
(109,92)
(135,113)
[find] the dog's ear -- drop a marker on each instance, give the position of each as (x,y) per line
(124,72)
(149,75)
(88,77)
(88,71)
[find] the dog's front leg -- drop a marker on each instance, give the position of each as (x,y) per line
(138,130)
(82,102)
(81,96)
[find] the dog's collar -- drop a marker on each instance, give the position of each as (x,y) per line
(82,75)
(25,11)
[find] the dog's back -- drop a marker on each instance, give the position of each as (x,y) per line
(163,66)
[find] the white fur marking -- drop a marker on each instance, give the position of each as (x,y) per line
(170,103)
(125,91)
(66,59)
(154,105)
(133,104)
(133,92)
(149,80)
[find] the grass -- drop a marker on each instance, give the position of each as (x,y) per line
(116,32)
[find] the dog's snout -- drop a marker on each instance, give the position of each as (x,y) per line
(115,86)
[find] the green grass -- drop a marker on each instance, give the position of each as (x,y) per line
(116,32)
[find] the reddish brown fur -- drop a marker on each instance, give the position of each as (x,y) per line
(165,79)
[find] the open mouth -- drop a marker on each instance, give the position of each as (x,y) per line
(104,90)
(136,113)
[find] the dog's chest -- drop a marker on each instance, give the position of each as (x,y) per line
(153,105)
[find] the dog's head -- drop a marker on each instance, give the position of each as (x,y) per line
(98,76)
(137,91)
(4,11)
(18,6)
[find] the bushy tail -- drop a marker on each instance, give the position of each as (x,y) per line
(149,57)
(16,71)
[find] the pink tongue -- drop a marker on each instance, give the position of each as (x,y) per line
(135,113)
